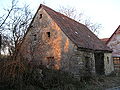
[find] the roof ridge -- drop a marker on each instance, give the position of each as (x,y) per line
(113,34)
(66,17)
(77,32)
(62,14)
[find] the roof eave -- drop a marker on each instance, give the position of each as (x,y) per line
(88,49)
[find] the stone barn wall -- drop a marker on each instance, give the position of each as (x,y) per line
(46,44)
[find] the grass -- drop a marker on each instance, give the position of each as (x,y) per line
(103,82)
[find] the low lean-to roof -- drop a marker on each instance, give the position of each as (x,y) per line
(78,33)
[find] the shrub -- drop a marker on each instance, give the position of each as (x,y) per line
(48,79)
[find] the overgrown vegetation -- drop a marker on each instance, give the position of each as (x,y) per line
(16,74)
(19,75)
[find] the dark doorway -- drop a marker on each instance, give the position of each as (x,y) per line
(99,63)
(87,65)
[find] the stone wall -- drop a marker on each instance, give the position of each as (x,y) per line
(108,62)
(82,62)
(46,44)
(45,41)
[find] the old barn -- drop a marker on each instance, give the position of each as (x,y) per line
(59,42)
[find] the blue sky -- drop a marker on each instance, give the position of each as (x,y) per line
(105,12)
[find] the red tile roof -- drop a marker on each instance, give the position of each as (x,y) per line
(76,32)
(104,40)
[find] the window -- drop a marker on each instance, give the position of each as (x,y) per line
(35,37)
(51,62)
(116,61)
(48,34)
(108,60)
(40,16)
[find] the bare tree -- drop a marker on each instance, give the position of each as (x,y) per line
(14,26)
(4,17)
(3,20)
(80,17)
(71,12)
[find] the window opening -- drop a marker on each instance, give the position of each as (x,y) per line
(35,37)
(40,16)
(48,33)
(108,60)
(51,62)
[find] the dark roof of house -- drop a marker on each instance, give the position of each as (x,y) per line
(104,40)
(76,32)
(116,32)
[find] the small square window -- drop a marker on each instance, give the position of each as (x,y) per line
(48,34)
(35,37)
(40,16)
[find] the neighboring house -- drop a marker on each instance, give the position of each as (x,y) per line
(59,42)
(114,43)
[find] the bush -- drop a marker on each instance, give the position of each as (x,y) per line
(50,79)
(18,75)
